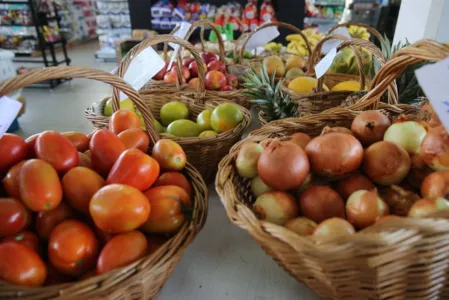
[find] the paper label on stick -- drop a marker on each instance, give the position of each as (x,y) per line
(262,37)
(9,109)
(324,64)
(434,81)
(180,33)
(334,43)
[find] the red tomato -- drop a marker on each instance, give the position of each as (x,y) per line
(168,204)
(12,150)
(155,242)
(135,138)
(122,250)
(134,168)
(21,265)
(89,136)
(11,180)
(56,149)
(118,208)
(122,120)
(31,142)
(174,178)
(78,139)
(40,188)
(105,148)
(72,247)
(26,238)
(14,216)
(169,155)
(102,236)
(79,185)
(84,160)
(56,277)
(46,221)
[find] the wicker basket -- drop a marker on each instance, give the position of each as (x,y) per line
(203,153)
(396,259)
(144,278)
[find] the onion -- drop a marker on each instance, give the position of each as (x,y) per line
(398,199)
(435,149)
(283,165)
(319,203)
(418,171)
(386,163)
(300,139)
(430,116)
(369,126)
(427,206)
(364,208)
(354,183)
(409,135)
(435,185)
(258,187)
(265,143)
(275,207)
(246,161)
(334,227)
(338,129)
(335,154)
(301,226)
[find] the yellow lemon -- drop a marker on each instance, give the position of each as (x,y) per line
(304,85)
(350,85)
(295,61)
(274,64)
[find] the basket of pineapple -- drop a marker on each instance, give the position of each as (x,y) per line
(358,210)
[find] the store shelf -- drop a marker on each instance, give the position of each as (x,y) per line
(310,20)
(23,52)
(320,3)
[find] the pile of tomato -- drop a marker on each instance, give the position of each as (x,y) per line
(74,206)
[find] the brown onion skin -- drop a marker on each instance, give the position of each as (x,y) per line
(301,226)
(337,129)
(353,183)
(433,119)
(435,184)
(369,126)
(398,199)
(364,208)
(422,208)
(283,165)
(386,163)
(435,149)
(300,139)
(334,154)
(276,207)
(418,171)
(334,227)
(319,203)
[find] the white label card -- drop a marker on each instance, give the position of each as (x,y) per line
(434,81)
(328,45)
(262,37)
(180,33)
(9,109)
(324,64)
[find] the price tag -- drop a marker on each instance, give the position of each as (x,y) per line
(180,33)
(334,43)
(434,81)
(9,109)
(262,37)
(324,64)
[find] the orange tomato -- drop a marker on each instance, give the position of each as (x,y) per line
(118,208)
(174,178)
(46,221)
(72,247)
(26,238)
(79,185)
(84,160)
(12,150)
(135,138)
(122,250)
(168,206)
(57,150)
(11,180)
(14,216)
(155,242)
(21,265)
(78,139)
(134,168)
(169,155)
(105,148)
(40,188)
(122,120)
(31,142)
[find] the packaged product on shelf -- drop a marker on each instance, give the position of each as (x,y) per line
(267,12)
(250,11)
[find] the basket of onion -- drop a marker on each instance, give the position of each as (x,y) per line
(103,216)
(353,203)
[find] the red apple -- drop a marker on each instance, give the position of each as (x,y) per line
(172,77)
(185,73)
(227,88)
(193,68)
(215,80)
(232,80)
(216,65)
(194,83)
(208,57)
(173,65)
(186,62)
(161,73)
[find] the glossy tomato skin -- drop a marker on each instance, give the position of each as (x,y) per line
(11,180)
(166,209)
(122,120)
(78,139)
(169,155)
(40,188)
(14,216)
(72,248)
(119,208)
(12,150)
(79,185)
(26,238)
(31,142)
(134,168)
(57,150)
(122,250)
(105,148)
(135,138)
(46,221)
(174,178)
(21,265)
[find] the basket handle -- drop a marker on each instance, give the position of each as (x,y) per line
(277,24)
(208,24)
(370,29)
(38,75)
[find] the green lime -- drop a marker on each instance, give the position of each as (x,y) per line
(203,120)
(159,127)
(208,133)
(183,128)
(173,111)
(124,104)
(225,117)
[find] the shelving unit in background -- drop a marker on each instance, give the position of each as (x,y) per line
(330,13)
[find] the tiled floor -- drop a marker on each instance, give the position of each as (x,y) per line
(223,262)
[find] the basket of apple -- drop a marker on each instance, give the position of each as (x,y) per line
(110,213)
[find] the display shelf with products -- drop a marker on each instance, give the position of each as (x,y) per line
(323,13)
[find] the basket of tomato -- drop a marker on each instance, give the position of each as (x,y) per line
(104,215)
(353,202)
